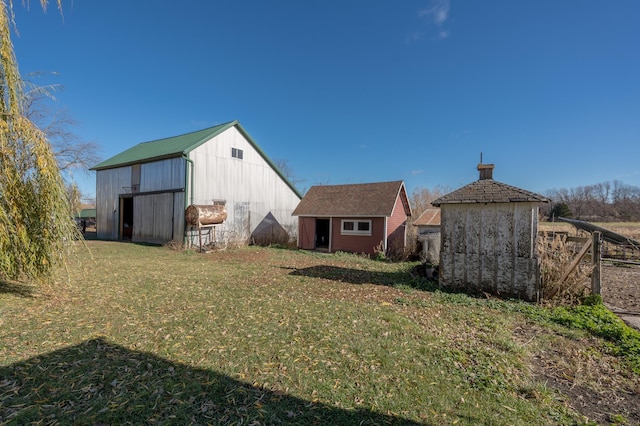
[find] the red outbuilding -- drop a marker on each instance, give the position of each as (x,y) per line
(360,218)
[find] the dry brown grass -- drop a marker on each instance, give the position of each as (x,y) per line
(556,256)
(627,229)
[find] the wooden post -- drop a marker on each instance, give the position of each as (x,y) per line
(596,258)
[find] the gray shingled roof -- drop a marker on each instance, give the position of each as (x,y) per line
(355,200)
(489,191)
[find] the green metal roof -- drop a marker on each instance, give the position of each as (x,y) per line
(84,213)
(163,148)
(177,146)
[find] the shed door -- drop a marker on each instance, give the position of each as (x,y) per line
(322,233)
(153,218)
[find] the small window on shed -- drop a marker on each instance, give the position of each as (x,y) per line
(356,227)
(236,153)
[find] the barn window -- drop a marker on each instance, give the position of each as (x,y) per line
(236,153)
(356,227)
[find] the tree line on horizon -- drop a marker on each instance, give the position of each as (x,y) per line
(611,201)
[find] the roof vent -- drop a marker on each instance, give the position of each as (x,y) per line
(486,171)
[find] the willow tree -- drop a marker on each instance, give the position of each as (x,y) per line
(36,227)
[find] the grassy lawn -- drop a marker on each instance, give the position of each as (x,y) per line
(146,335)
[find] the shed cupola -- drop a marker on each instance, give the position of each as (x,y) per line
(486,171)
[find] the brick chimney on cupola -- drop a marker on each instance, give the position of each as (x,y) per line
(486,171)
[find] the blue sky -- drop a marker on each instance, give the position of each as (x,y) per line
(358,91)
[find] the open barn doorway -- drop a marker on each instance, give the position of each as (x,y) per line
(126,218)
(322,234)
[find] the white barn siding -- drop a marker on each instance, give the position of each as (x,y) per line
(490,247)
(162,175)
(109,184)
(250,186)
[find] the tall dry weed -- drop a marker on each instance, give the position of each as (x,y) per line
(556,255)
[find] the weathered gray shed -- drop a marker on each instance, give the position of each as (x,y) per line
(142,193)
(488,238)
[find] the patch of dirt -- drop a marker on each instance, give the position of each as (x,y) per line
(621,287)
(591,383)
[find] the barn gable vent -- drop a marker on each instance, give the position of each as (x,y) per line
(486,171)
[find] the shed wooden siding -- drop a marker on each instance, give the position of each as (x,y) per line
(307,234)
(357,243)
(396,227)
(490,247)
(250,186)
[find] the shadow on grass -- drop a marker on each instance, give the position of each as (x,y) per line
(98,382)
(392,279)
(16,289)
(358,276)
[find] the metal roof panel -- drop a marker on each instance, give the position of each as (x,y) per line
(174,146)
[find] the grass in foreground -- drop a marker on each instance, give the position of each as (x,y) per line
(263,336)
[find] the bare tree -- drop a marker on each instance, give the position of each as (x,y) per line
(421,198)
(602,197)
(601,202)
(578,199)
(626,201)
(70,151)
(287,171)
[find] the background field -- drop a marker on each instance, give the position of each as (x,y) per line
(628,229)
(142,334)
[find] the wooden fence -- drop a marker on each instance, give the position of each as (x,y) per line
(593,245)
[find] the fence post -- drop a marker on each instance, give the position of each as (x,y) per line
(596,260)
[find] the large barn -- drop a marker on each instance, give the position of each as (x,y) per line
(142,193)
(488,238)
